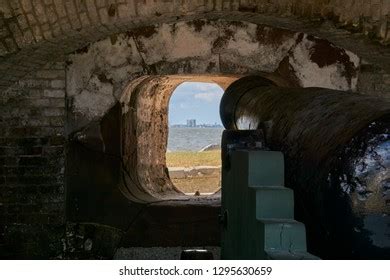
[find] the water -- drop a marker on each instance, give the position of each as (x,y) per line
(193,139)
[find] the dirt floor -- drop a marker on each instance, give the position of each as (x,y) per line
(203,184)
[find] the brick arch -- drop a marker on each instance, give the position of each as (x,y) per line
(32,21)
(39,31)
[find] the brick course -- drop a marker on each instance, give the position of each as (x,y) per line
(31,165)
(28,41)
(370,17)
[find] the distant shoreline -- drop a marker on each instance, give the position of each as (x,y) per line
(193,138)
(198,126)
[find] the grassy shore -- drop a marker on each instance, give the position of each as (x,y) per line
(190,159)
(204,184)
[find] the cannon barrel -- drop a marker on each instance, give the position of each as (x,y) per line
(337,160)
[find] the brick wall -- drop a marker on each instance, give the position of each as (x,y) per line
(33,32)
(30,21)
(32,196)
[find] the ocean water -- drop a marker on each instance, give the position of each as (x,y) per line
(193,138)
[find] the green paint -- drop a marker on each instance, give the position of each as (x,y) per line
(260,210)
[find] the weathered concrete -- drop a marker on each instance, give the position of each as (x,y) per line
(29,39)
(97,76)
(182,172)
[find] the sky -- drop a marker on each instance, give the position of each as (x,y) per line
(194,100)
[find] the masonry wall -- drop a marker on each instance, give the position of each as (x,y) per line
(32,194)
(89,83)
(98,73)
(28,21)
(34,33)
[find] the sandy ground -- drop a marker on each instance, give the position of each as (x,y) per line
(203,184)
(189,159)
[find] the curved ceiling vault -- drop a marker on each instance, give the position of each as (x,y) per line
(36,32)
(97,74)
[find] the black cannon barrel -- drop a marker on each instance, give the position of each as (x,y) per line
(337,155)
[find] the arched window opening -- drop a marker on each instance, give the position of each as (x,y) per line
(193,154)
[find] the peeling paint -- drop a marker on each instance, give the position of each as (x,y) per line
(94,105)
(332,75)
(254,50)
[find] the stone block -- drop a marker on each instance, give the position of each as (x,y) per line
(91,10)
(58,84)
(51,74)
(207,170)
(56,93)
(57,121)
(56,140)
(32,161)
(126,11)
(38,122)
(177,172)
(53,112)
(26,5)
(40,102)
(100,3)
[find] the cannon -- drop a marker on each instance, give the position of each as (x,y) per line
(336,146)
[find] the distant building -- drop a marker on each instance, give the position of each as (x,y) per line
(191,123)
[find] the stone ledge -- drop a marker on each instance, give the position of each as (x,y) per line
(196,171)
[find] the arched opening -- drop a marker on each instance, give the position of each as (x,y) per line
(145,134)
(194,135)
